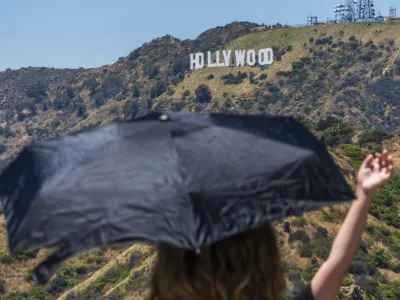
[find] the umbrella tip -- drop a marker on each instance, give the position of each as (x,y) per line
(164,117)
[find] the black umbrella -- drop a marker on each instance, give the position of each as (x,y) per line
(184,179)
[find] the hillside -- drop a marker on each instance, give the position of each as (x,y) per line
(341,80)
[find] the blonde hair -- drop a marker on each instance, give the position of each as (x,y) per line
(243,267)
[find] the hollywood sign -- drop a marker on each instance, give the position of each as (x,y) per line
(242,58)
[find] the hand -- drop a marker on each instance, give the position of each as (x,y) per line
(374,172)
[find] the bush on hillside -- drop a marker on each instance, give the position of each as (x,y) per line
(305,122)
(230,79)
(297,65)
(263,76)
(375,136)
(323,41)
(179,66)
(385,202)
(309,273)
(203,94)
(135,91)
(355,153)
(130,109)
(64,280)
(134,54)
(360,267)
(111,277)
(323,124)
(14,257)
(321,247)
(246,104)
(391,239)
(90,83)
(151,69)
(37,91)
(299,235)
(306,250)
(157,89)
(321,232)
(99,100)
(337,134)
(111,85)
(299,221)
(379,258)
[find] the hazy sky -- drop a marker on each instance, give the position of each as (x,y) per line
(91,33)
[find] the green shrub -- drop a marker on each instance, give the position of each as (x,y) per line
(111,277)
(355,153)
(34,293)
(13,257)
(64,280)
(305,122)
(294,274)
(375,136)
(158,89)
(130,109)
(321,247)
(323,41)
(185,94)
(309,273)
(326,216)
(326,123)
(299,235)
(321,232)
(384,205)
(203,94)
(296,65)
(151,69)
(246,104)
(230,79)
(352,38)
(306,250)
(379,258)
(299,221)
(347,281)
(135,91)
(81,269)
(263,76)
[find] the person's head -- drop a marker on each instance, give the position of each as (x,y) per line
(243,267)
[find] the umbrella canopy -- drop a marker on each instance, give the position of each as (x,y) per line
(185,179)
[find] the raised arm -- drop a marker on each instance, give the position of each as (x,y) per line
(372,174)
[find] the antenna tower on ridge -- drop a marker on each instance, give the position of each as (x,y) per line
(312,20)
(345,13)
(392,12)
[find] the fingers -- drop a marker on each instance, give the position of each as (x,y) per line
(387,166)
(376,166)
(367,162)
(390,164)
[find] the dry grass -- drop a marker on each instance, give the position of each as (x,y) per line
(121,259)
